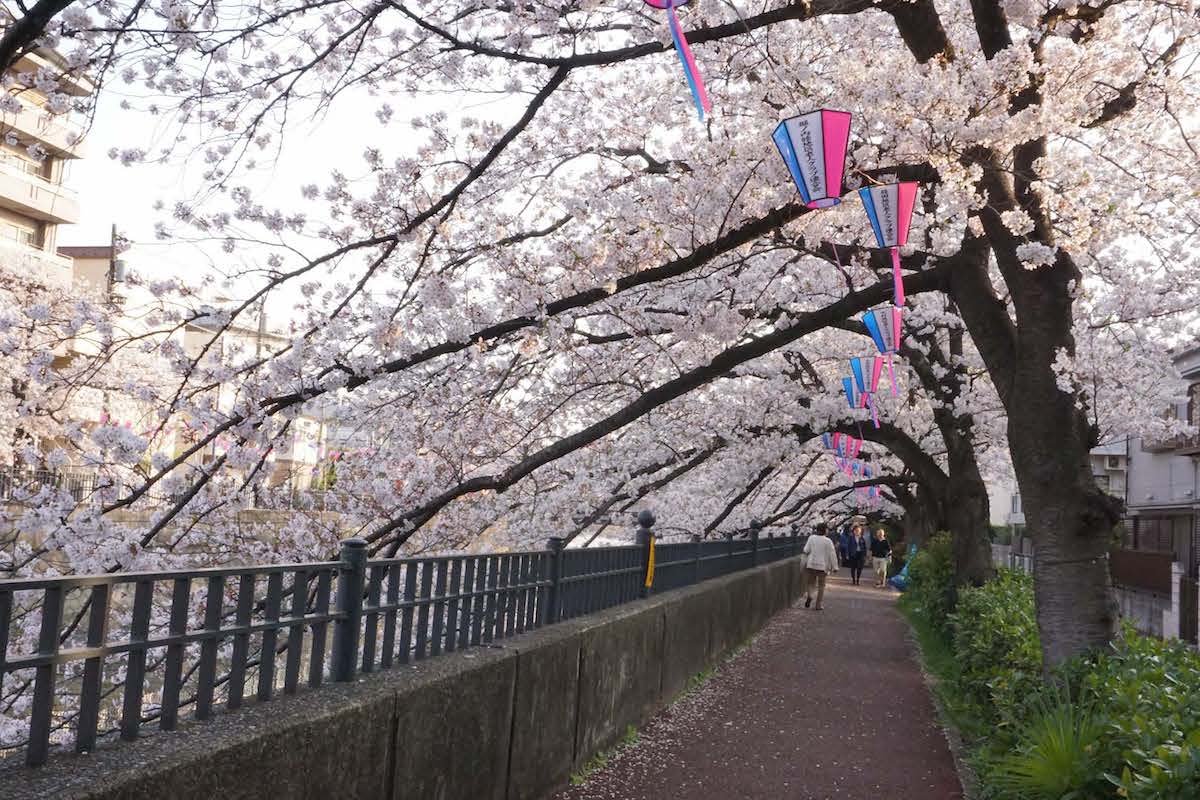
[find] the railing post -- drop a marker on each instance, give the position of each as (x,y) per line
(795,540)
(553,595)
(697,549)
(351,580)
(645,540)
(755,530)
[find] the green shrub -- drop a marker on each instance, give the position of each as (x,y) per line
(931,581)
(1129,727)
(994,637)
(1150,693)
(1055,757)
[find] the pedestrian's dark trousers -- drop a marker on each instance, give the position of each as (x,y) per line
(856,567)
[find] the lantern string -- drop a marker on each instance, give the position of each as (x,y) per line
(695,82)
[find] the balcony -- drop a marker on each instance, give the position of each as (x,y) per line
(45,58)
(56,132)
(1182,445)
(48,268)
(36,197)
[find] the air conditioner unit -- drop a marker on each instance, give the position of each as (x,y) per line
(1113,462)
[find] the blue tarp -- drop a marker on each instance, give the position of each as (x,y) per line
(900,579)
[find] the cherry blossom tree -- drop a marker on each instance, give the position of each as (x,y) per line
(590,286)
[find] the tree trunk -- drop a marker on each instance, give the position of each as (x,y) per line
(1071,523)
(968,515)
(923,515)
(1068,517)
(965,500)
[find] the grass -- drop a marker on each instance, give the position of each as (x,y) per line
(939,661)
(703,676)
(601,759)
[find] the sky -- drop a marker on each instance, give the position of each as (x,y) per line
(112,193)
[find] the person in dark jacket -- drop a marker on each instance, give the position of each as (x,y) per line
(856,553)
(881,554)
(843,547)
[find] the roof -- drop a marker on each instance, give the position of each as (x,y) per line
(1116,448)
(87,251)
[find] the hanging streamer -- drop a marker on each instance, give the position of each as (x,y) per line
(889,208)
(694,81)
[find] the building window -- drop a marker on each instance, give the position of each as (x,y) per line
(43,169)
(1157,534)
(1016,504)
(29,237)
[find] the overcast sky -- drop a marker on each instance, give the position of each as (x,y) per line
(126,195)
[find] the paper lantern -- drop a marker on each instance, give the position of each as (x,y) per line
(813,147)
(884,325)
(842,447)
(854,397)
(866,372)
(890,208)
(695,82)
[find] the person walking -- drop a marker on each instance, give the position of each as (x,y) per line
(856,554)
(822,561)
(881,554)
(820,531)
(843,546)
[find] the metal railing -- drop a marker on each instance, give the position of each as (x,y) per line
(1022,562)
(20,483)
(116,652)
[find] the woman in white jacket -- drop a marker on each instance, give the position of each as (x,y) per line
(821,560)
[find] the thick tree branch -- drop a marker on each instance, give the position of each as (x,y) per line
(721,364)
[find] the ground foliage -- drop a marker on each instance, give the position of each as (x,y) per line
(1123,723)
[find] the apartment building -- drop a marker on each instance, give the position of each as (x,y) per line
(296,458)
(1110,463)
(36,150)
(1164,481)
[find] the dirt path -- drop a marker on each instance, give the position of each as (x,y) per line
(822,705)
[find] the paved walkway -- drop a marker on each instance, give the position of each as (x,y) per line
(823,705)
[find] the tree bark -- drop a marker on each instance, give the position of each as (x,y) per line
(968,515)
(1068,517)
(923,514)
(965,500)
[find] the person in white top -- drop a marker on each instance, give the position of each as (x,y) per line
(821,561)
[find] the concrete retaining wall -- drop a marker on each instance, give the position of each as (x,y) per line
(504,723)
